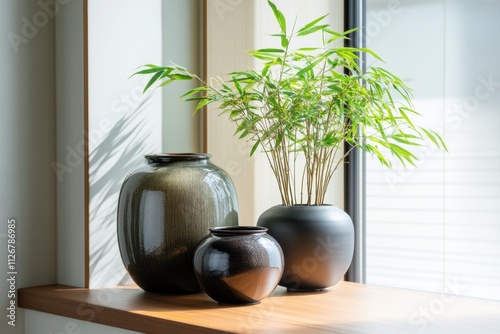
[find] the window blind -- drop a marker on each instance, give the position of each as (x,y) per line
(438,224)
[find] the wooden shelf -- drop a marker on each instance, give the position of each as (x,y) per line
(345,308)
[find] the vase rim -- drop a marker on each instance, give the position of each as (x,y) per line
(171,157)
(304,205)
(237,230)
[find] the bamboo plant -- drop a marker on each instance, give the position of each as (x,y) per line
(303,105)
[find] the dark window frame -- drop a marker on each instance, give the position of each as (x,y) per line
(355,167)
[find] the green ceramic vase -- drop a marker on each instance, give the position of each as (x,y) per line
(166,206)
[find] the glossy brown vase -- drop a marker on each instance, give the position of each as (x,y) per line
(317,242)
(165,208)
(238,265)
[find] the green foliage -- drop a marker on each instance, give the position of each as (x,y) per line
(302,107)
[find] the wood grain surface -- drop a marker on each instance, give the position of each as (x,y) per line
(345,308)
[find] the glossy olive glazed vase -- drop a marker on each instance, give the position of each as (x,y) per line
(317,242)
(238,265)
(165,208)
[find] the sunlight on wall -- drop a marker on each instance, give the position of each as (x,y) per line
(124,124)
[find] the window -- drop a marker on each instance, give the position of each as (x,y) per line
(439,224)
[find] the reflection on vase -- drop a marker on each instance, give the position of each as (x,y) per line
(238,265)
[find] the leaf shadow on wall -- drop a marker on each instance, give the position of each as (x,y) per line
(120,151)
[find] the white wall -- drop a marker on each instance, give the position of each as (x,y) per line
(27,147)
(228,38)
(123,126)
(69,166)
(124,123)
(182,44)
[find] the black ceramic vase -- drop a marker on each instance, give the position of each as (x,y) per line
(165,208)
(317,243)
(238,265)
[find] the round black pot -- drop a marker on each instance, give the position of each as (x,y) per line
(317,243)
(238,265)
(165,208)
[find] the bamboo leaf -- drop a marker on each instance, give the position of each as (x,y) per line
(336,35)
(374,150)
(166,82)
(308,67)
(405,116)
(284,41)
(312,30)
(265,70)
(270,50)
(262,56)
(195,98)
(234,113)
(200,105)
(441,140)
(279,16)
(347,32)
(150,66)
(307,49)
(194,91)
(226,87)
(370,51)
(152,81)
(402,154)
(435,138)
(180,76)
(312,23)
(254,147)
(166,73)
(403,139)
(279,139)
(149,71)
(243,134)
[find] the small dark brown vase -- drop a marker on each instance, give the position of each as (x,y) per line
(165,208)
(238,265)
